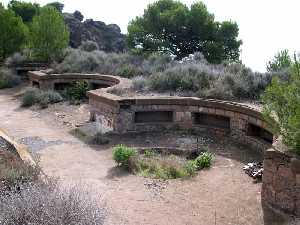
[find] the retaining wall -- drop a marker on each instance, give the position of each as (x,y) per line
(112,113)
(124,115)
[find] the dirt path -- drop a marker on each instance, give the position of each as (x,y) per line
(223,195)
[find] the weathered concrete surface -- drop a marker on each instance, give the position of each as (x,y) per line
(22,150)
(281,181)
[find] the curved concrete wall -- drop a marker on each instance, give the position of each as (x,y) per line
(124,115)
(121,114)
(49,81)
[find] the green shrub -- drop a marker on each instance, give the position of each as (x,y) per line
(53,96)
(191,167)
(204,160)
(78,90)
(282,107)
(122,153)
(30,97)
(149,153)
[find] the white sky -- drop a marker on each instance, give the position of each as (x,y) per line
(266,26)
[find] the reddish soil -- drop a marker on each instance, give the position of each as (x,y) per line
(222,195)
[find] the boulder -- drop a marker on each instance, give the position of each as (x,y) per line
(108,37)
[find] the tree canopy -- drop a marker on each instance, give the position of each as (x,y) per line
(25,10)
(13,33)
(49,35)
(171,27)
(281,61)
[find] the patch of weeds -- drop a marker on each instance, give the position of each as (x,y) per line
(159,165)
(13,171)
(191,167)
(149,153)
(122,154)
(204,160)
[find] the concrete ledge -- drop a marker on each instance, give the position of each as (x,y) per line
(22,150)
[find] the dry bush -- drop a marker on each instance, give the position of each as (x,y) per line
(193,75)
(8,78)
(37,204)
(34,96)
(233,81)
(13,171)
(122,64)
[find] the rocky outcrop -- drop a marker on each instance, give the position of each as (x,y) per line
(108,37)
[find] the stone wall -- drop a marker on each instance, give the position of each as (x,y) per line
(281,181)
(122,112)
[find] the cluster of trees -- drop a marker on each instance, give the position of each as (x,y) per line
(171,27)
(167,26)
(28,25)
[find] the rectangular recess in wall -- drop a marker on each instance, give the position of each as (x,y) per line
(60,86)
(153,117)
(35,84)
(94,86)
(256,131)
(211,120)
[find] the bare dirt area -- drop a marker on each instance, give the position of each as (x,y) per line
(221,195)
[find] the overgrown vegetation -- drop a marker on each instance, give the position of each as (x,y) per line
(27,197)
(158,165)
(14,172)
(8,78)
(38,204)
(282,107)
(194,76)
(122,64)
(42,98)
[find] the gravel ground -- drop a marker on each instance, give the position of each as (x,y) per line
(36,144)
